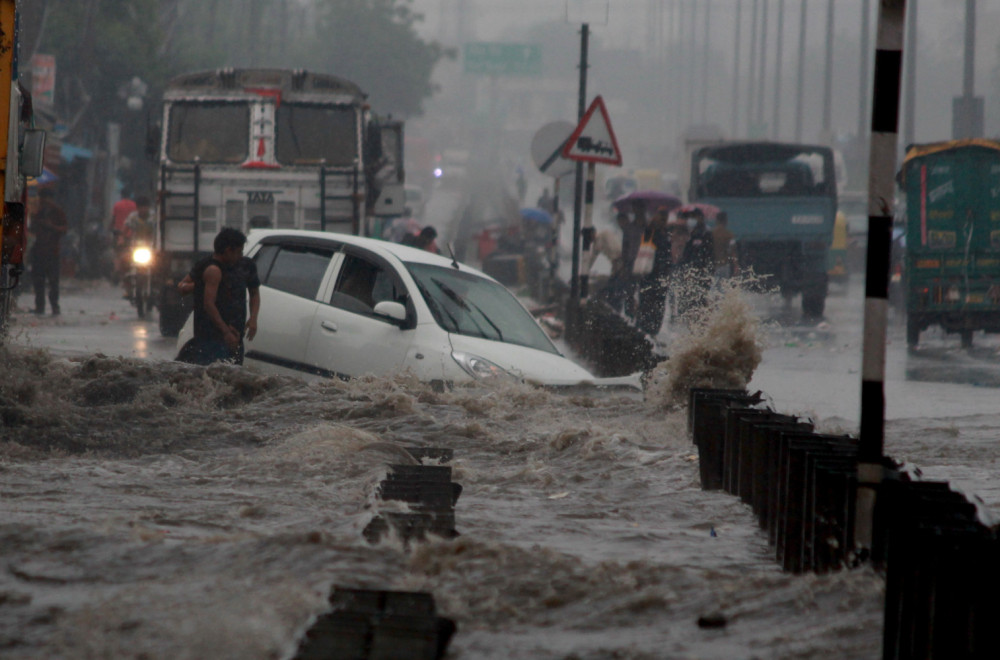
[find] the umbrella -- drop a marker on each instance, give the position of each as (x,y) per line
(540,216)
(708,210)
(653,199)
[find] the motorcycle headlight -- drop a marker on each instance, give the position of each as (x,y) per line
(479,368)
(142,255)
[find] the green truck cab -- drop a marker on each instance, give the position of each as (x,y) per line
(952,263)
(781,200)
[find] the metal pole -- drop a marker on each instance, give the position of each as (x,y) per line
(881,187)
(762,77)
(800,73)
(734,125)
(704,63)
(776,115)
(690,62)
(574,287)
(828,76)
(968,70)
(751,87)
(910,87)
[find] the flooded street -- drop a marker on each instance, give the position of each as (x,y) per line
(161,510)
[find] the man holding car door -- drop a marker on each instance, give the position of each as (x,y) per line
(221,283)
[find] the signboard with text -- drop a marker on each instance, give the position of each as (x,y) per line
(503,59)
(43,80)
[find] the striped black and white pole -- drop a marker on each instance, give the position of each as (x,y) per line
(881,189)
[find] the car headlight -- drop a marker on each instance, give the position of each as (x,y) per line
(142,255)
(479,368)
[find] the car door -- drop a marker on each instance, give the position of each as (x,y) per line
(291,275)
(347,338)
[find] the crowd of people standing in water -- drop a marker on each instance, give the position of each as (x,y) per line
(663,259)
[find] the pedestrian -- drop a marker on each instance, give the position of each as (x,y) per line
(654,285)
(120,213)
(546,202)
(48,225)
(724,248)
(221,284)
(607,243)
(425,240)
(696,265)
(632,233)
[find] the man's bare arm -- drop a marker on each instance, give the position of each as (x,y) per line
(254,310)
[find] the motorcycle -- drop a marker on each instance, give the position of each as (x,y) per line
(139,279)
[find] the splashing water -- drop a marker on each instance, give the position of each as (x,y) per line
(721,347)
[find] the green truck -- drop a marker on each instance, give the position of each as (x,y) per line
(781,200)
(952,265)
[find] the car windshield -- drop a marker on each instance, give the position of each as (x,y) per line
(468,304)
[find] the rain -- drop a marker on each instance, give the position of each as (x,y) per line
(153,508)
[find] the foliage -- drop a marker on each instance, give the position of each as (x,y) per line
(100,45)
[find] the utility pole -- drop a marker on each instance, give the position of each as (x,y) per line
(828,77)
(779,42)
(800,73)
(704,63)
(751,88)
(734,125)
(762,76)
(967,110)
(910,87)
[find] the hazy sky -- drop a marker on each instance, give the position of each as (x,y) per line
(939,64)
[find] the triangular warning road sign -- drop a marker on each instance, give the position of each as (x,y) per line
(594,140)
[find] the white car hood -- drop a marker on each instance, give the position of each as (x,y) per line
(530,364)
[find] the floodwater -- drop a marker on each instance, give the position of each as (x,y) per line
(152,509)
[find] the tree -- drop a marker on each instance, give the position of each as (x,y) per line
(374,43)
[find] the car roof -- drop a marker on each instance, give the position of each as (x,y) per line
(404,253)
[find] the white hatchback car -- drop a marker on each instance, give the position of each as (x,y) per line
(341,305)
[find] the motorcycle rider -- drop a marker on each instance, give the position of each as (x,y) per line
(139,229)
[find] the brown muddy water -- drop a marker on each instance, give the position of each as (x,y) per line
(152,509)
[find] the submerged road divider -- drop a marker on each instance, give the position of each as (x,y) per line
(365,624)
(368,624)
(939,560)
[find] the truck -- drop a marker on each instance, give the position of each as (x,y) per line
(21,151)
(265,148)
(781,202)
(951,267)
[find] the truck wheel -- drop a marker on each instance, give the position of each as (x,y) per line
(912,331)
(966,336)
(140,302)
(813,304)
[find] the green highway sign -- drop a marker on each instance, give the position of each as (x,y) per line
(503,59)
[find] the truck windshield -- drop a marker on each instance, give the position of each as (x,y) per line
(214,132)
(468,304)
(309,133)
(766,171)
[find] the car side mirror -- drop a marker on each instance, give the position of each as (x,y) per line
(391,309)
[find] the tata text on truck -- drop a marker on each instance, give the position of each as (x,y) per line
(21,150)
(267,148)
(952,263)
(781,200)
